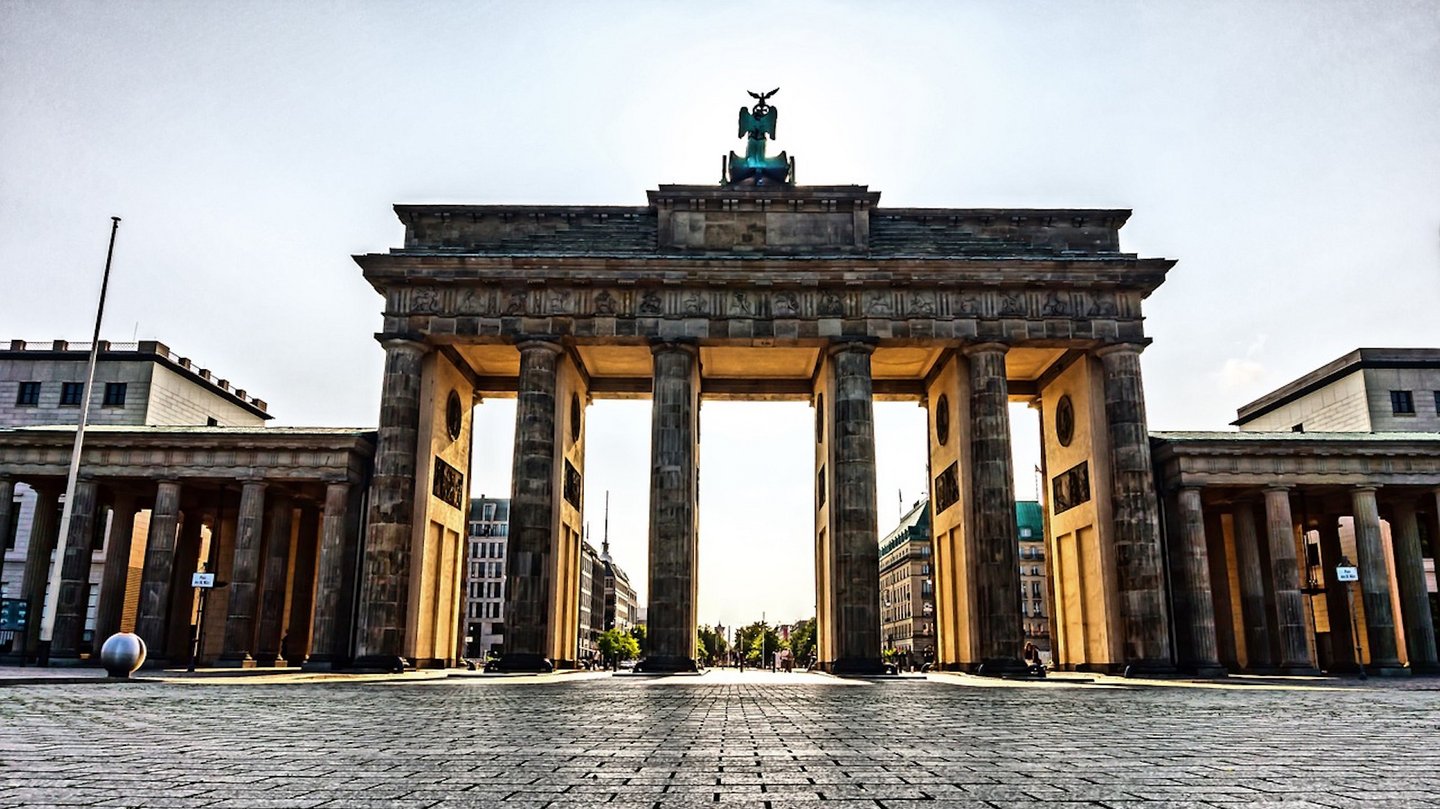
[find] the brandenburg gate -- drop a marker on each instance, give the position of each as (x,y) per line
(760,288)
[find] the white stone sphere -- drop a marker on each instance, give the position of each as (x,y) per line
(122,654)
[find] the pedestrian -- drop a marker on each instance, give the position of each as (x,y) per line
(1031,655)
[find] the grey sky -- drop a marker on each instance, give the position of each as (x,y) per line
(1287,153)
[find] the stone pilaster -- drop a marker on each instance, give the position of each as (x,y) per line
(244,575)
(1295,656)
(44,530)
(674,508)
(385,582)
(1140,574)
(75,572)
(998,622)
(1337,599)
(295,639)
(329,641)
(159,567)
(533,507)
(273,581)
(1254,615)
(7,512)
(180,632)
(116,575)
(854,538)
(1202,655)
(1410,578)
(1375,585)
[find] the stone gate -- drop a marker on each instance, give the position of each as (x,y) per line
(769,290)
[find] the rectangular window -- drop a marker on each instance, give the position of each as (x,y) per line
(1437,402)
(114,394)
(29,395)
(71,393)
(1402,403)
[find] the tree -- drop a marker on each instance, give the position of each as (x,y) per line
(802,640)
(617,645)
(710,645)
(757,639)
(638,633)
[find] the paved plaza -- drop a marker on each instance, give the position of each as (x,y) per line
(752,740)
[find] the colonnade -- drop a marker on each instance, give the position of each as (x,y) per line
(283,561)
(1246,567)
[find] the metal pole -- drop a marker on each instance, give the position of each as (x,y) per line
(1354,626)
(52,589)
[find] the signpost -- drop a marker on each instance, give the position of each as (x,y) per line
(1349,574)
(204,582)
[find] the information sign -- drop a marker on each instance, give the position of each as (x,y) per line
(205,580)
(1344,573)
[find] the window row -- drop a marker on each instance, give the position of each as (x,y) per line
(1402,402)
(71,394)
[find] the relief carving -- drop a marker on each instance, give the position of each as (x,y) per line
(1011,304)
(922,304)
(786,304)
(425,301)
(695,304)
(740,305)
(969,304)
(469,303)
(831,305)
(604,303)
(560,302)
(879,305)
(1104,306)
(516,306)
(650,303)
(1055,306)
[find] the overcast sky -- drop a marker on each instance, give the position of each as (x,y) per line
(1287,153)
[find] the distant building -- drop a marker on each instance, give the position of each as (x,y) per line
(485,576)
(1030,522)
(907,582)
(592,603)
(622,611)
(1369,390)
(136,384)
(907,586)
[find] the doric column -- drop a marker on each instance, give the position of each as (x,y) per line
(674,508)
(116,576)
(328,641)
(532,512)
(44,530)
(1410,578)
(7,512)
(295,640)
(998,619)
(159,567)
(1295,656)
(1375,584)
(271,623)
(1258,655)
(854,528)
(1203,655)
(1136,513)
(244,572)
(180,631)
(1337,598)
(385,583)
(75,572)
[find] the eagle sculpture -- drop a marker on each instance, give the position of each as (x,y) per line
(756,124)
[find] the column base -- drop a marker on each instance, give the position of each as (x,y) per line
(520,663)
(321,664)
(1385,670)
(241,660)
(1301,670)
(1207,670)
(667,665)
(1001,667)
(381,664)
(858,667)
(1150,668)
(1425,669)
(270,660)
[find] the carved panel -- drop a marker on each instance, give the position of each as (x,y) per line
(1071,487)
(947,488)
(573,484)
(449,483)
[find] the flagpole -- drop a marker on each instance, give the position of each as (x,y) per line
(52,589)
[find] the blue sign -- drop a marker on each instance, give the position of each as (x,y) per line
(13,614)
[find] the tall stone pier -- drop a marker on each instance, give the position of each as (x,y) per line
(674,508)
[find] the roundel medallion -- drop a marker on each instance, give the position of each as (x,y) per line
(819,418)
(574,417)
(942,419)
(1064,421)
(454,416)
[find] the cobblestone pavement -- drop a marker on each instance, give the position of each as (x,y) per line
(723,739)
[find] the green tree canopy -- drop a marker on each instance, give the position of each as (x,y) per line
(802,640)
(755,638)
(618,645)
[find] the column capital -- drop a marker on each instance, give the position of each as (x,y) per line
(1277,487)
(1118,348)
(841,344)
(988,347)
(544,342)
(689,345)
(1367,487)
(411,342)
